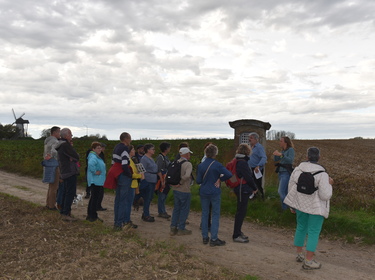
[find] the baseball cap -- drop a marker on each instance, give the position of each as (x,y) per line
(185,150)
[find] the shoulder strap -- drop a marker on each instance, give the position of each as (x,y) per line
(320,171)
(204,176)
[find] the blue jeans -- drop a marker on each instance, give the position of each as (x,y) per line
(284,177)
(68,193)
(181,209)
(162,197)
(146,190)
(129,196)
(308,225)
(123,199)
(206,200)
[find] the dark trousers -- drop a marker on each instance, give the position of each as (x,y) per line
(242,201)
(88,191)
(69,191)
(93,203)
(258,183)
(100,198)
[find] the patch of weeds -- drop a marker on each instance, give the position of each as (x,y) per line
(22,188)
(103,253)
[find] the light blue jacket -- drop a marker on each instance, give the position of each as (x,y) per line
(95,163)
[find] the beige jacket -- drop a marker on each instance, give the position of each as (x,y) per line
(186,178)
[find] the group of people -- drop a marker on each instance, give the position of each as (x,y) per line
(135,174)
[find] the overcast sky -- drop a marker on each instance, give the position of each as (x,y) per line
(184,69)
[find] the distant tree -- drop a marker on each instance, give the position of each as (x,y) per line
(8,131)
(45,133)
(277,134)
(95,137)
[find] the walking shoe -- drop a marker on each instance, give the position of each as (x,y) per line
(300,257)
(217,242)
(94,219)
(88,218)
(244,236)
(102,209)
(184,232)
(87,196)
(130,225)
(117,228)
(313,264)
(206,240)
(67,218)
(148,219)
(173,231)
(240,239)
(164,215)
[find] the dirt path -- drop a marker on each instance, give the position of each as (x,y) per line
(269,254)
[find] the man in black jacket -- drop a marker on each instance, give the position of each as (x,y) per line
(68,162)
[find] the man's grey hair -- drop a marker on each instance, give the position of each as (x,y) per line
(255,135)
(313,154)
(64,132)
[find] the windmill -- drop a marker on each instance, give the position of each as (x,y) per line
(20,124)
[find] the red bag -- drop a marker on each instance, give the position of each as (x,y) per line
(233,181)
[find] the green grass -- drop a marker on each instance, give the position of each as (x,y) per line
(21,188)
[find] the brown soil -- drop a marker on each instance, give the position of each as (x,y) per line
(269,255)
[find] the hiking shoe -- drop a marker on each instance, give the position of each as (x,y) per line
(217,242)
(67,218)
(206,240)
(173,231)
(164,215)
(184,232)
(90,219)
(244,236)
(117,228)
(148,219)
(130,225)
(240,239)
(300,257)
(313,264)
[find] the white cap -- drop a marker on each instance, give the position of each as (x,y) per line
(185,150)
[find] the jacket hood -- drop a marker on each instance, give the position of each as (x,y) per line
(308,166)
(242,156)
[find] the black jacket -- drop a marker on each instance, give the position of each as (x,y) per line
(243,171)
(68,159)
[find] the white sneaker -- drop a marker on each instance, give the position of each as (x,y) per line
(300,257)
(313,264)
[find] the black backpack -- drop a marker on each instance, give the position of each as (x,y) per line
(173,176)
(306,182)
